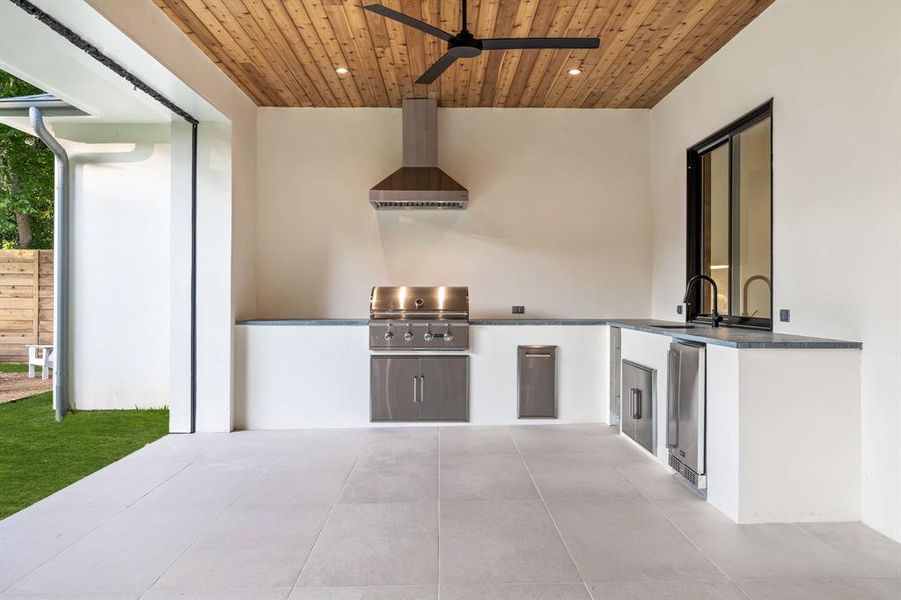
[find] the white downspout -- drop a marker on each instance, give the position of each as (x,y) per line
(60,265)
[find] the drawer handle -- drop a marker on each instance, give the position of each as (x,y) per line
(635,402)
(545,355)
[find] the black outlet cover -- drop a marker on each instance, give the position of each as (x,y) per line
(519,310)
(785,315)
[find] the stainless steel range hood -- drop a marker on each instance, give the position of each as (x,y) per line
(419,183)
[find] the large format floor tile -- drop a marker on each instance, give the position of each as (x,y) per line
(288,483)
(366,593)
(502,542)
(864,552)
(516,591)
(628,540)
(579,476)
(619,450)
(485,477)
(35,535)
(125,555)
(822,589)
(393,478)
(548,439)
(665,590)
(762,551)
(215,594)
(566,512)
(376,545)
(656,482)
(248,548)
(476,441)
(207,484)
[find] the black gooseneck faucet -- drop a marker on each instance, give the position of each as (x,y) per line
(715,316)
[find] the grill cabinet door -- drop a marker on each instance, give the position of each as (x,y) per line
(394,388)
(638,403)
(444,388)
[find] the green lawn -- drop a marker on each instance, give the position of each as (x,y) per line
(15,368)
(39,456)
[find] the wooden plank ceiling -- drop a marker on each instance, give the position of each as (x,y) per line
(285,52)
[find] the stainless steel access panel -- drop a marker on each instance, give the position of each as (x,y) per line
(616,373)
(638,418)
(536,374)
(686,411)
(419,388)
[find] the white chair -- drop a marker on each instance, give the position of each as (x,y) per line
(40,355)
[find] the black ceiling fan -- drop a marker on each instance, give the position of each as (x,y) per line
(466,45)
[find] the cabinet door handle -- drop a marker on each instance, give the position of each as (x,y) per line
(415,390)
(421,389)
(635,402)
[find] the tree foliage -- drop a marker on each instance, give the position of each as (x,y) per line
(26,180)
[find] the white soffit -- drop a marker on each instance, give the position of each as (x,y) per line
(32,51)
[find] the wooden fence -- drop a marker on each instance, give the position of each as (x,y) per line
(26,302)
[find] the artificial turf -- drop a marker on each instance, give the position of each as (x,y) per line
(39,456)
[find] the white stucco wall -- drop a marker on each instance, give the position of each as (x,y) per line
(836,185)
(119,275)
(226,216)
(558,221)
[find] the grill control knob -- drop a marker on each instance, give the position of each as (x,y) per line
(408,336)
(388,336)
(448,337)
(428,336)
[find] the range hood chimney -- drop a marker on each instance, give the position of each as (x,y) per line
(419,183)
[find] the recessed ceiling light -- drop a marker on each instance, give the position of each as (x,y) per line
(342,70)
(575,71)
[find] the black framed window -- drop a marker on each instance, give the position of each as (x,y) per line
(730,221)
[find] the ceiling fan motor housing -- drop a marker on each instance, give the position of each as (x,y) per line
(464,45)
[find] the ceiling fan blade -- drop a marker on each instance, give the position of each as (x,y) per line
(407,20)
(539,43)
(435,71)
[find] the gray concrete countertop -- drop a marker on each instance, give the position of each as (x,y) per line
(303,322)
(538,321)
(731,337)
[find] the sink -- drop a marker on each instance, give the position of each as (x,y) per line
(680,326)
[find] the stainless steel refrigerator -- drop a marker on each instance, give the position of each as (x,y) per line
(686,411)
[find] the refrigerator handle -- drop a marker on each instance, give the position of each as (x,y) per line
(672,400)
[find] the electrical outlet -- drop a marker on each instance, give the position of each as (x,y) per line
(785,315)
(679,309)
(519,310)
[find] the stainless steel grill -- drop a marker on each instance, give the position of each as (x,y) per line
(419,318)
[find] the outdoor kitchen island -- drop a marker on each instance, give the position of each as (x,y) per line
(782,410)
(303,373)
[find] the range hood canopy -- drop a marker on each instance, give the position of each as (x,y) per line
(419,183)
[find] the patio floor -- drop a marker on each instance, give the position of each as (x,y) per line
(541,513)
